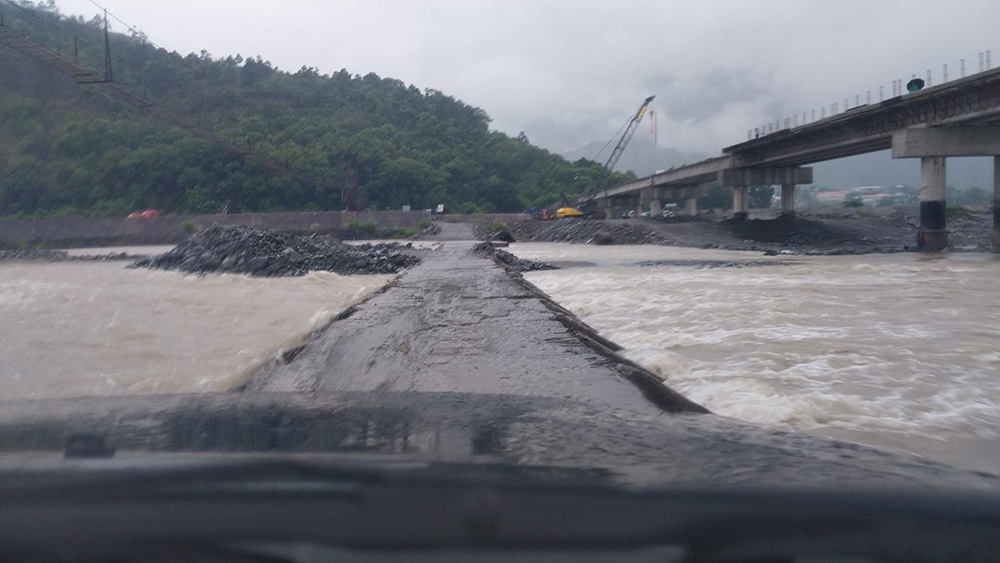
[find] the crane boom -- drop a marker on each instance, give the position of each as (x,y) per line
(616,154)
(627,136)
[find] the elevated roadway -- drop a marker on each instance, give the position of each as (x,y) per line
(957,118)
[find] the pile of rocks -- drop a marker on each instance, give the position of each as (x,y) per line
(429,231)
(35,254)
(244,250)
(486,248)
(590,231)
(63,256)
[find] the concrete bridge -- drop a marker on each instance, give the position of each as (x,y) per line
(958,118)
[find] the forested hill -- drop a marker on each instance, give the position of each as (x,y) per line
(68,148)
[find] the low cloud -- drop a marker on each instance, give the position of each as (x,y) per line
(568,72)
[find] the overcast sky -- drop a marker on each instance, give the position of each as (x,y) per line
(570,72)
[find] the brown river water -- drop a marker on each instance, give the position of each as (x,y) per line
(95,328)
(897,351)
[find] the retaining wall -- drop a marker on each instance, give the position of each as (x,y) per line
(487,217)
(81,231)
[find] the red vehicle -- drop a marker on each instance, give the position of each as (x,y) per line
(143,214)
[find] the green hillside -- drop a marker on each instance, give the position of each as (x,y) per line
(67,148)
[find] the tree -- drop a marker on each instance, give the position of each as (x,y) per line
(719,197)
(761,197)
(66,147)
(972,196)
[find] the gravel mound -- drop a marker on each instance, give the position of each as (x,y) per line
(430,231)
(712,264)
(789,232)
(63,256)
(32,254)
(518,264)
(590,231)
(244,250)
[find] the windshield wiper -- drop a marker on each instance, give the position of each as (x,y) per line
(372,506)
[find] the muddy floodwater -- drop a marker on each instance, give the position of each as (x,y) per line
(897,351)
(95,328)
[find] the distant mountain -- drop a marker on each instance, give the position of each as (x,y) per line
(641,156)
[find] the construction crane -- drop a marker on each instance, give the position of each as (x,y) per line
(626,136)
(616,154)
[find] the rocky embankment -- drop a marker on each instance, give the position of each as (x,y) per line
(63,256)
(862,231)
(591,232)
(245,250)
(486,248)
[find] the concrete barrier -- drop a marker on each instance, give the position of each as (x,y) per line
(484,217)
(76,230)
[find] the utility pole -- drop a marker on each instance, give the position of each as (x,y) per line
(108,72)
(349,194)
(143,75)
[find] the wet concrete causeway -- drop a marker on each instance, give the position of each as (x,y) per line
(461,323)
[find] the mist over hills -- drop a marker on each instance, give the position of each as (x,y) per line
(641,156)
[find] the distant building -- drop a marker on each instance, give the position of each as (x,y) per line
(834,197)
(863,190)
(875,199)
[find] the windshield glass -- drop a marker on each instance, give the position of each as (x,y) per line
(651,244)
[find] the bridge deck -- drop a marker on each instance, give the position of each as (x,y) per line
(973,100)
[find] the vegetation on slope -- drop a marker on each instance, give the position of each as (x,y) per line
(66,148)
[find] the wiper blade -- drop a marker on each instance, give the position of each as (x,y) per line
(369,505)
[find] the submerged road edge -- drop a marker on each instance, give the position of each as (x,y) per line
(652,386)
(285,357)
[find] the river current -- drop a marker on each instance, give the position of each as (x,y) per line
(95,328)
(897,351)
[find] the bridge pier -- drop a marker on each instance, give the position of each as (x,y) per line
(932,145)
(691,206)
(655,207)
(932,234)
(741,202)
(742,178)
(787,200)
(996,204)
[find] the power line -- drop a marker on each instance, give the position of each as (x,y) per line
(50,24)
(138,32)
(613,137)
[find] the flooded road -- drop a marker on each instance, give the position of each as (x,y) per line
(898,351)
(94,328)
